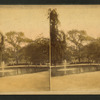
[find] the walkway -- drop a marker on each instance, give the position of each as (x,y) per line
(25,83)
(77,83)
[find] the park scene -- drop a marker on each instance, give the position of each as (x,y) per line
(53,48)
(24,57)
(75,55)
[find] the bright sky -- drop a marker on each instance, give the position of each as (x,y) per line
(32,19)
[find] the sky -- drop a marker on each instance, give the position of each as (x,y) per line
(33,19)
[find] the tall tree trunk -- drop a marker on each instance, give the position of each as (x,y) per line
(1,47)
(0,57)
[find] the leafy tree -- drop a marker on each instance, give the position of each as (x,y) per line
(79,39)
(37,52)
(1,46)
(92,51)
(16,40)
(8,55)
(58,38)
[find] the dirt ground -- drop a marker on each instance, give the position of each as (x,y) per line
(77,83)
(25,83)
(38,83)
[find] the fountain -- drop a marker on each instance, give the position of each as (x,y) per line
(65,63)
(3,71)
(2,67)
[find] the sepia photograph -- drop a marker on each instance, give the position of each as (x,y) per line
(24,47)
(50,49)
(75,47)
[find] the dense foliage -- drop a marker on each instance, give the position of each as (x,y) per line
(58,39)
(75,46)
(37,52)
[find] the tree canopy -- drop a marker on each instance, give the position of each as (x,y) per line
(1,46)
(79,39)
(58,38)
(15,41)
(37,52)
